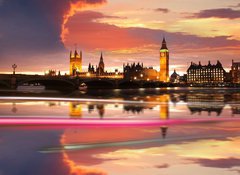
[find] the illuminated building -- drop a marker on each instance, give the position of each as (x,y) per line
(139,72)
(75,63)
(164,62)
(235,72)
(207,74)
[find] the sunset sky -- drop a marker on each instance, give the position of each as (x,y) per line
(38,34)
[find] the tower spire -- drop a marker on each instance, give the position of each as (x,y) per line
(75,52)
(101,58)
(164,43)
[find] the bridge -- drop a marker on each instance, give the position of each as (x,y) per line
(9,81)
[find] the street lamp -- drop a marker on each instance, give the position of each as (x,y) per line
(14,66)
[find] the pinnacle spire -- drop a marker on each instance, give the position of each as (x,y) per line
(101,58)
(164,43)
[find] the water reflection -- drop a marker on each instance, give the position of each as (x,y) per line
(198,103)
(112,151)
(157,106)
(164,149)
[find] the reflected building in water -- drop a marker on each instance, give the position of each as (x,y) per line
(164,106)
(164,112)
(101,110)
(75,109)
(235,109)
(14,107)
(135,109)
(204,102)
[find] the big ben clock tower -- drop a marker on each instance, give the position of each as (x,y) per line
(164,62)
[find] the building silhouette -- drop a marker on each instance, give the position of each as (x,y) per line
(100,68)
(134,71)
(205,74)
(139,72)
(75,63)
(164,62)
(175,77)
(98,71)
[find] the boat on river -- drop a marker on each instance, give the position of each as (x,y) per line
(82,87)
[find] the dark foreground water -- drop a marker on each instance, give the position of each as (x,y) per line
(196,131)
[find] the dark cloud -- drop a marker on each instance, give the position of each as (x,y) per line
(31,28)
(218,163)
(218,13)
(163,10)
(162,166)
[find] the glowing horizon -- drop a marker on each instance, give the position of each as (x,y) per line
(124,31)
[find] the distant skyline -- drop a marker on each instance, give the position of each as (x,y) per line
(37,35)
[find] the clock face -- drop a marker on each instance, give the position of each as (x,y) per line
(162,54)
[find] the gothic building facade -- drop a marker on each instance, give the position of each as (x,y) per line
(205,74)
(164,62)
(139,72)
(99,71)
(75,63)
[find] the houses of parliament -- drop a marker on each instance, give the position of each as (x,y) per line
(133,71)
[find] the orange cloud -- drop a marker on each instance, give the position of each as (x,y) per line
(75,7)
(76,169)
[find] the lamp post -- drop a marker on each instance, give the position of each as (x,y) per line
(14,66)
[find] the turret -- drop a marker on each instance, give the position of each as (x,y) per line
(75,63)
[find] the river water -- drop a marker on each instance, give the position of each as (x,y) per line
(121,132)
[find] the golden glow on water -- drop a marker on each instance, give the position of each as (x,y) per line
(75,109)
(164,107)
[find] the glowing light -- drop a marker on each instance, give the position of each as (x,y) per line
(163,50)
